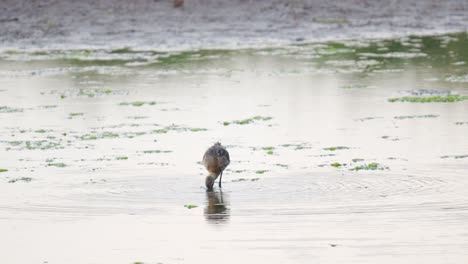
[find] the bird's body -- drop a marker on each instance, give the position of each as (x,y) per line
(216,159)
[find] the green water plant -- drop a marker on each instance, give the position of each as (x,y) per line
(369,166)
(139,103)
(430,99)
(57,164)
(190,206)
(455,157)
(248,120)
(336,148)
(23,179)
(336,164)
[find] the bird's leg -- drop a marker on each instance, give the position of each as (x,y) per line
(220,177)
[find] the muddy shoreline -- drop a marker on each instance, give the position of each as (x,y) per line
(157,25)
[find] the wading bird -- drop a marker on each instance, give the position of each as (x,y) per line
(216,159)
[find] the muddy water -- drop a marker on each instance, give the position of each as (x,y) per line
(100,152)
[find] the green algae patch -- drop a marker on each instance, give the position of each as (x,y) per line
(57,164)
(139,103)
(156,151)
(244,179)
(6,109)
(3,170)
(71,115)
(121,158)
(22,179)
(269,150)
(370,166)
(109,135)
(197,129)
(102,135)
(248,120)
(177,129)
(296,146)
(88,137)
(415,116)
(190,206)
(260,171)
(35,145)
(336,148)
(455,157)
(430,99)
(336,164)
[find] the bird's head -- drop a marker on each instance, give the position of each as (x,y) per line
(209,182)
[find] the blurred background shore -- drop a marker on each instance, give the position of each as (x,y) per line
(159,25)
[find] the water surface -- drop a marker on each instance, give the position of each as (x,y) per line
(101,150)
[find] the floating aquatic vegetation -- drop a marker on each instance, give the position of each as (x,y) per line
(297,146)
(57,164)
(105,134)
(6,109)
(336,148)
(3,170)
(234,171)
(35,145)
(390,138)
(177,128)
(368,118)
(139,103)
(23,179)
(71,115)
(121,158)
(260,171)
(370,166)
(48,106)
(156,151)
(336,164)
(430,99)
(326,155)
(357,160)
(244,179)
(455,157)
(138,117)
(190,206)
(88,137)
(196,129)
(248,120)
(415,116)
(269,150)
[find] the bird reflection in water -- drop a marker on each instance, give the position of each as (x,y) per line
(216,210)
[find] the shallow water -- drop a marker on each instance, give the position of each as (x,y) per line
(102,151)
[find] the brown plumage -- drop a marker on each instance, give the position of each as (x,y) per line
(216,159)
